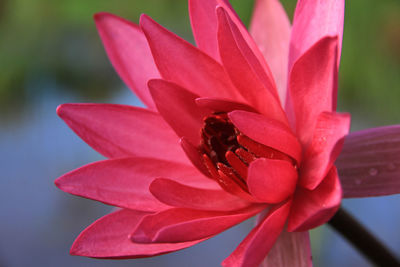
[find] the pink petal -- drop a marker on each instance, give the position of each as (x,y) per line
(125,182)
(313,80)
(180,62)
(291,249)
(204,24)
(268,132)
(313,20)
(176,105)
(271,181)
(222,105)
(108,238)
(179,195)
(129,53)
(311,208)
(180,225)
(369,164)
(254,248)
(118,131)
(325,147)
(270,28)
(245,70)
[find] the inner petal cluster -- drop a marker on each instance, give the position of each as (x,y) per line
(227,153)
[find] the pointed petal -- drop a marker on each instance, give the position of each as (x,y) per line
(222,105)
(117,131)
(369,164)
(125,182)
(291,249)
(177,106)
(255,247)
(245,70)
(108,238)
(270,28)
(204,25)
(313,208)
(271,181)
(312,81)
(182,196)
(267,132)
(325,147)
(180,62)
(313,20)
(178,224)
(129,53)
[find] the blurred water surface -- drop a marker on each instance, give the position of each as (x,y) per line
(63,62)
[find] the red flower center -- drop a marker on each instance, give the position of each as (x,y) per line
(227,152)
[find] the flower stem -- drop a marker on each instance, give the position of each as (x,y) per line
(362,239)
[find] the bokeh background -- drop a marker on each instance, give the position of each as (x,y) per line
(50,54)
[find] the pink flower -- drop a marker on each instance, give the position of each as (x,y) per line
(225,136)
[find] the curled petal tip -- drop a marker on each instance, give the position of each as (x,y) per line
(63,109)
(143,19)
(57,183)
(59,109)
(139,237)
(99,15)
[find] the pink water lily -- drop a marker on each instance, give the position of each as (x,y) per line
(243,124)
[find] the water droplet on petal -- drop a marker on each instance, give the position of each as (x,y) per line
(358,181)
(373,171)
(391,166)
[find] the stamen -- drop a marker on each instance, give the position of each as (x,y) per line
(245,156)
(231,174)
(227,153)
(262,151)
(237,164)
(210,166)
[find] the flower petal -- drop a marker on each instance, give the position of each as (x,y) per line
(268,132)
(222,105)
(204,24)
(182,196)
(245,70)
(271,181)
(325,147)
(180,62)
(291,249)
(311,208)
(125,182)
(270,28)
(117,131)
(108,238)
(177,224)
(129,53)
(313,20)
(369,164)
(254,248)
(177,106)
(312,80)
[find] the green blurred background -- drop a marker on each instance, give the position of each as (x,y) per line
(50,53)
(58,39)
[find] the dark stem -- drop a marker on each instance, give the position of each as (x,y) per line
(362,239)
